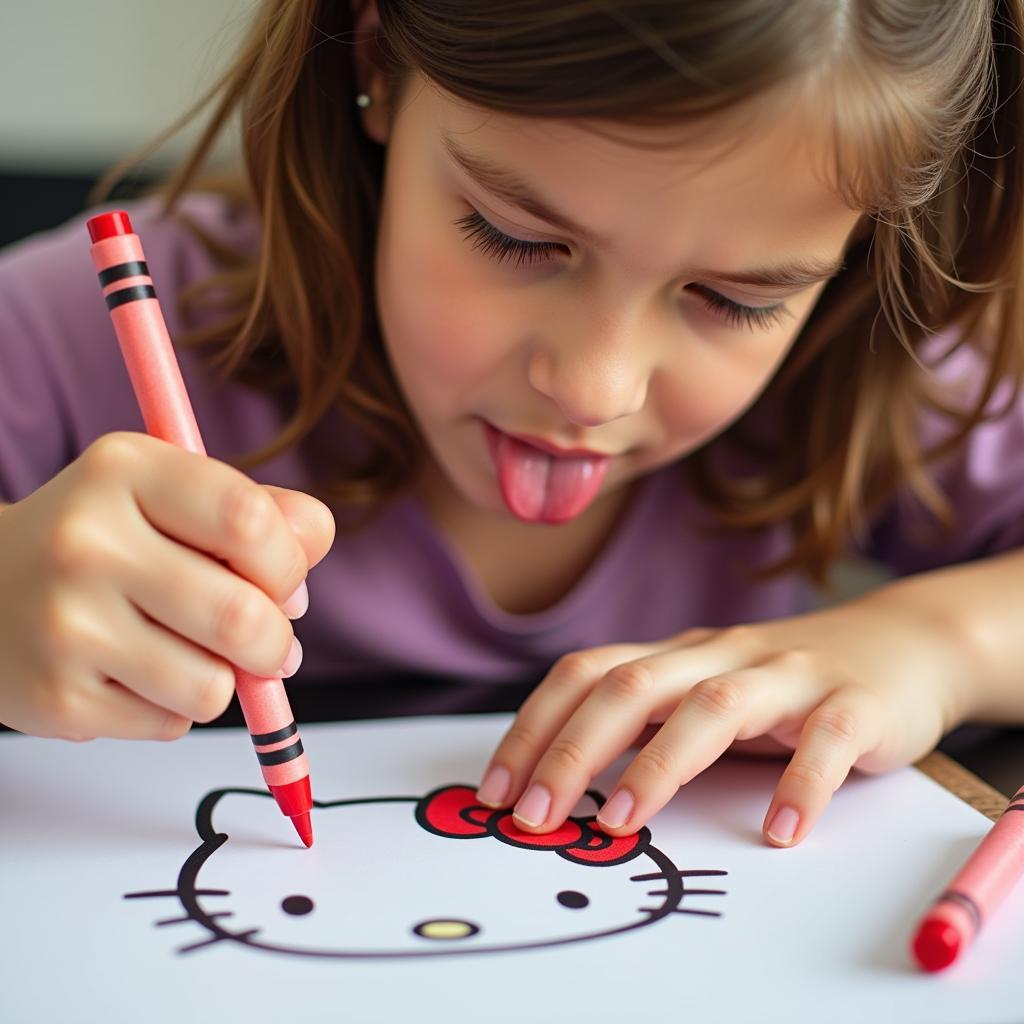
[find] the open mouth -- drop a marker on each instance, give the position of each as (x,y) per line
(539,487)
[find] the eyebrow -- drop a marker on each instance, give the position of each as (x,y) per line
(510,187)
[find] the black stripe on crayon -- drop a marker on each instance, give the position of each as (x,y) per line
(138,291)
(1014,807)
(282,755)
(965,901)
(262,738)
(133,268)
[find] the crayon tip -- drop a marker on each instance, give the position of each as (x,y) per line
(304,827)
(936,945)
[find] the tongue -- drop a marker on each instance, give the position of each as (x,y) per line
(539,487)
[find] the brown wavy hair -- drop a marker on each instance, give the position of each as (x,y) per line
(924,100)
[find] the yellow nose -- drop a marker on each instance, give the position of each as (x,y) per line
(444,929)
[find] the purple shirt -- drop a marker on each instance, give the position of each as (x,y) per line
(395,595)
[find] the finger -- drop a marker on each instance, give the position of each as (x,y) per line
(603,725)
(541,717)
(119,713)
(548,708)
(596,733)
(224,514)
(310,520)
(205,602)
(713,714)
(843,727)
(164,669)
(89,706)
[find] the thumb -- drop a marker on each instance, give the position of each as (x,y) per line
(310,519)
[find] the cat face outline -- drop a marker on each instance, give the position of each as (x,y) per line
(582,890)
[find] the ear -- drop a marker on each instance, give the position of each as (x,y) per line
(368,70)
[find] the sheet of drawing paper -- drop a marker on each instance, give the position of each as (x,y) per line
(159,882)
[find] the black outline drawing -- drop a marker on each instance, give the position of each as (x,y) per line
(485,822)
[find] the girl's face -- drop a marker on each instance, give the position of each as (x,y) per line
(543,280)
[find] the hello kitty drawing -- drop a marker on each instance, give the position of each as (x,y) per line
(436,875)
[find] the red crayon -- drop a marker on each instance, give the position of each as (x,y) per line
(167,412)
(976,893)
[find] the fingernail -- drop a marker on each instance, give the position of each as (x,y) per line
(296,605)
(294,659)
(617,809)
(783,826)
(533,805)
(495,786)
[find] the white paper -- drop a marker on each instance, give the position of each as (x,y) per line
(818,932)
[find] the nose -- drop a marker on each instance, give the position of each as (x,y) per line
(597,375)
(446,929)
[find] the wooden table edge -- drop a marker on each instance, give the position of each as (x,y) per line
(963,783)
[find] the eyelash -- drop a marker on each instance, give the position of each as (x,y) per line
(501,247)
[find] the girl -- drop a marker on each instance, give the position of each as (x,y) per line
(594,326)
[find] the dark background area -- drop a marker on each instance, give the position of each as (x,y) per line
(33,202)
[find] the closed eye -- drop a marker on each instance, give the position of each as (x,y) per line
(504,248)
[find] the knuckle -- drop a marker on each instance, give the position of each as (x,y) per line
(809,773)
(72,545)
(520,737)
(836,723)
(238,621)
(741,636)
(655,761)
(794,660)
(172,727)
(720,696)
(213,694)
(61,631)
(630,681)
(247,513)
(565,753)
(576,668)
(110,455)
(62,707)
(696,634)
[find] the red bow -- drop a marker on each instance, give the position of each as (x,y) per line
(453,811)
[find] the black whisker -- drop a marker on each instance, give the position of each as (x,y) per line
(240,937)
(173,892)
(207,917)
(658,892)
(703,892)
(212,941)
(695,873)
(702,913)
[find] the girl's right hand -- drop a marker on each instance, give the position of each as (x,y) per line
(115,617)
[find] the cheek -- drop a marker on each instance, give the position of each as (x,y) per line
(715,382)
(443,324)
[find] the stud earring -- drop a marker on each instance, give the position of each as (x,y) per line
(363,100)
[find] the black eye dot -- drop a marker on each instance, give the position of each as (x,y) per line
(572,899)
(297,905)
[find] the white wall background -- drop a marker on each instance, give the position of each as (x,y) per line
(82,82)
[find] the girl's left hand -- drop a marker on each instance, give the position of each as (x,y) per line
(871,684)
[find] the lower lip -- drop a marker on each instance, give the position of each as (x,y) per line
(538,487)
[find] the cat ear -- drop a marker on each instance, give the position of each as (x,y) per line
(453,811)
(597,847)
(237,813)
